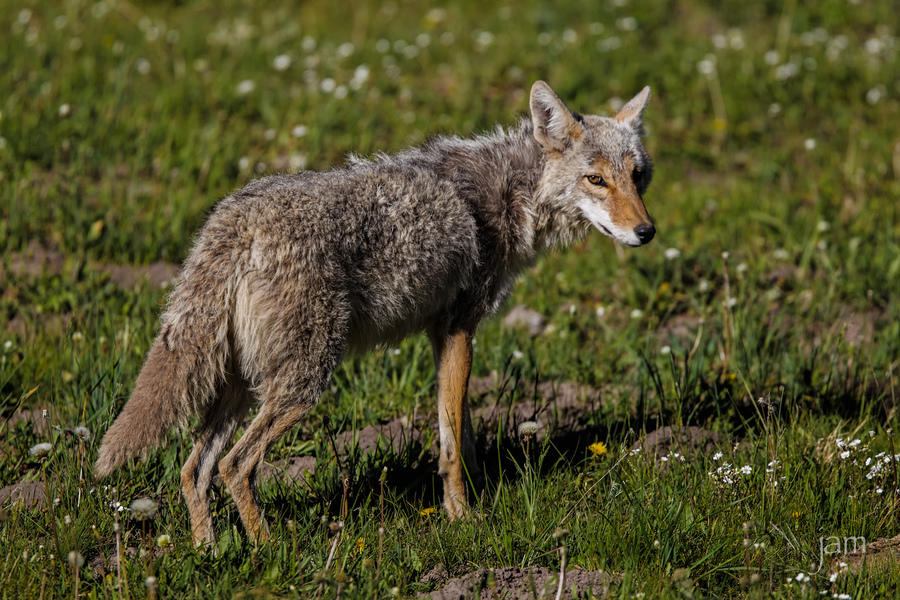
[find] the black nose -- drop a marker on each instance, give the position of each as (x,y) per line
(645,232)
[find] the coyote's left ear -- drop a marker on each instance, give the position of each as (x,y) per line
(554,124)
(632,113)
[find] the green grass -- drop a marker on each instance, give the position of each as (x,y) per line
(774,133)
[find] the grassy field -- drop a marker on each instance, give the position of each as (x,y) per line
(765,312)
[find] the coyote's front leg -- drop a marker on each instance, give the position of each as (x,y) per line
(453,360)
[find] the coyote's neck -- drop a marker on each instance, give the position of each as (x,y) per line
(509,168)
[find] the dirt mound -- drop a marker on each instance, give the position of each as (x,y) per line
(37,260)
(883,552)
(684,440)
(514,583)
(30,493)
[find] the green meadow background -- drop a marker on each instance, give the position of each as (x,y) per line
(765,311)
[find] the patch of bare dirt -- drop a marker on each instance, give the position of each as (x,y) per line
(31,494)
(157,274)
(880,553)
(295,468)
(36,260)
(514,583)
(522,317)
(396,433)
(684,440)
(681,327)
(39,423)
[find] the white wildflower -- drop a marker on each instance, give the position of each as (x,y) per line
(82,433)
(245,87)
(637,313)
(144,508)
(281,62)
(41,449)
(672,253)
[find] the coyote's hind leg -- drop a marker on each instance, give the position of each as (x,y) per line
(299,362)
(216,430)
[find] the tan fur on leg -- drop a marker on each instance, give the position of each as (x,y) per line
(453,356)
(216,432)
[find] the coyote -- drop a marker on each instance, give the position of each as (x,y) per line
(292,272)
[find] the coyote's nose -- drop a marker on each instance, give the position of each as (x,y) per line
(645,232)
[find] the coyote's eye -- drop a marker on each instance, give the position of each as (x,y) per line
(636,175)
(596,180)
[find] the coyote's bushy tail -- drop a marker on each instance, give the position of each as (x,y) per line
(179,379)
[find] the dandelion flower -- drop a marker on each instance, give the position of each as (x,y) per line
(39,450)
(82,433)
(245,87)
(144,508)
(76,560)
(281,62)
(528,428)
(598,448)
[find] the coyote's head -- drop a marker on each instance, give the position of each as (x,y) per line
(596,166)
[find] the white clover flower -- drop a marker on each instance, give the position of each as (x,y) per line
(637,313)
(672,253)
(665,350)
(41,449)
(281,62)
(517,354)
(144,508)
(822,226)
(246,87)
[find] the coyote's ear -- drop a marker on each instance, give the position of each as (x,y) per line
(632,113)
(554,124)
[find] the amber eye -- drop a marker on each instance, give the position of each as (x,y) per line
(596,180)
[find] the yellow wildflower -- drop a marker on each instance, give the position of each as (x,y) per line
(598,448)
(360,545)
(427,511)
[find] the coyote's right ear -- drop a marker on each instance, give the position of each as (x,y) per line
(554,124)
